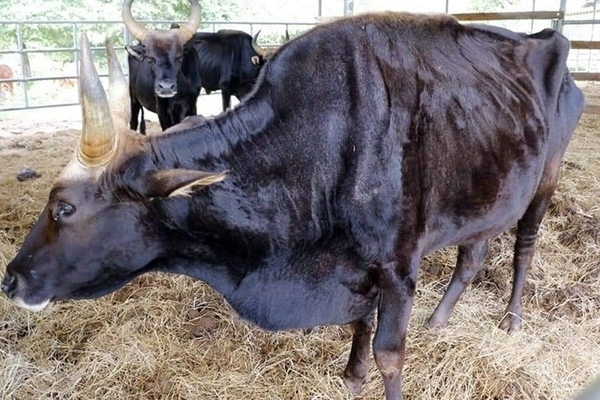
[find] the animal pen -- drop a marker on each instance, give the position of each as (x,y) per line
(167,337)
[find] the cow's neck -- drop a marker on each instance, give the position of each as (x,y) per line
(213,139)
(206,242)
(284,291)
(245,260)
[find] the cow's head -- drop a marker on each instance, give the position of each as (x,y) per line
(95,233)
(162,49)
(258,58)
(264,55)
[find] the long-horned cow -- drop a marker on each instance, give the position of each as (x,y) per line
(163,70)
(367,143)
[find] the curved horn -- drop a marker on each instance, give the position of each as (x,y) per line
(189,29)
(118,89)
(98,135)
(134,27)
(259,50)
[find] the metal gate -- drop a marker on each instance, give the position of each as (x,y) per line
(48,77)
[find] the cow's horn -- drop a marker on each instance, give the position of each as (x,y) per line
(259,50)
(118,89)
(188,30)
(98,135)
(134,27)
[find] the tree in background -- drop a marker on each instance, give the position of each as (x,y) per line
(490,5)
(62,35)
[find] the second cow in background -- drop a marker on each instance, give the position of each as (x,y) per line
(163,70)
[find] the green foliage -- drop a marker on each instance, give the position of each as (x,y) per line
(41,36)
(490,5)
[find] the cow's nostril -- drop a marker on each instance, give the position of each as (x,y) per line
(166,85)
(9,283)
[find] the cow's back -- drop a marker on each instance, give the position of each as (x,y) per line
(214,52)
(486,112)
(225,58)
(426,124)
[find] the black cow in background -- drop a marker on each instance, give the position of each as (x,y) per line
(163,70)
(230,61)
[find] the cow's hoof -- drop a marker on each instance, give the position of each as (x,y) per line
(436,323)
(510,323)
(354,384)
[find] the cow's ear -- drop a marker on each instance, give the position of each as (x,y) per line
(180,182)
(134,51)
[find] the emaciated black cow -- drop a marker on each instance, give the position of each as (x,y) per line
(163,70)
(366,144)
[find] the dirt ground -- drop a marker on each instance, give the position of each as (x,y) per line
(170,337)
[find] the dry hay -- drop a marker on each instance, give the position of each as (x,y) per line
(166,336)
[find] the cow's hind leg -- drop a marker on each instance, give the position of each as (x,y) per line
(527,230)
(397,282)
(358,363)
(469,262)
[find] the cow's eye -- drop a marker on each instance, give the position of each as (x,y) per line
(62,210)
(179,58)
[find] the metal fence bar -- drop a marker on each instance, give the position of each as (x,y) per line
(48,50)
(581,22)
(30,107)
(76,59)
(560,22)
(41,78)
(21,47)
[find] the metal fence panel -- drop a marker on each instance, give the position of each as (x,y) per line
(48,77)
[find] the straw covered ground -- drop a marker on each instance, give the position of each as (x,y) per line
(167,337)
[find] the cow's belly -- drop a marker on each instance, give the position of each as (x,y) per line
(312,290)
(512,201)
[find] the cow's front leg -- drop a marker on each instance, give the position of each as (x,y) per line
(225,97)
(164,116)
(397,282)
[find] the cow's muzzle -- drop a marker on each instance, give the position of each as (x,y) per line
(10,287)
(165,88)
